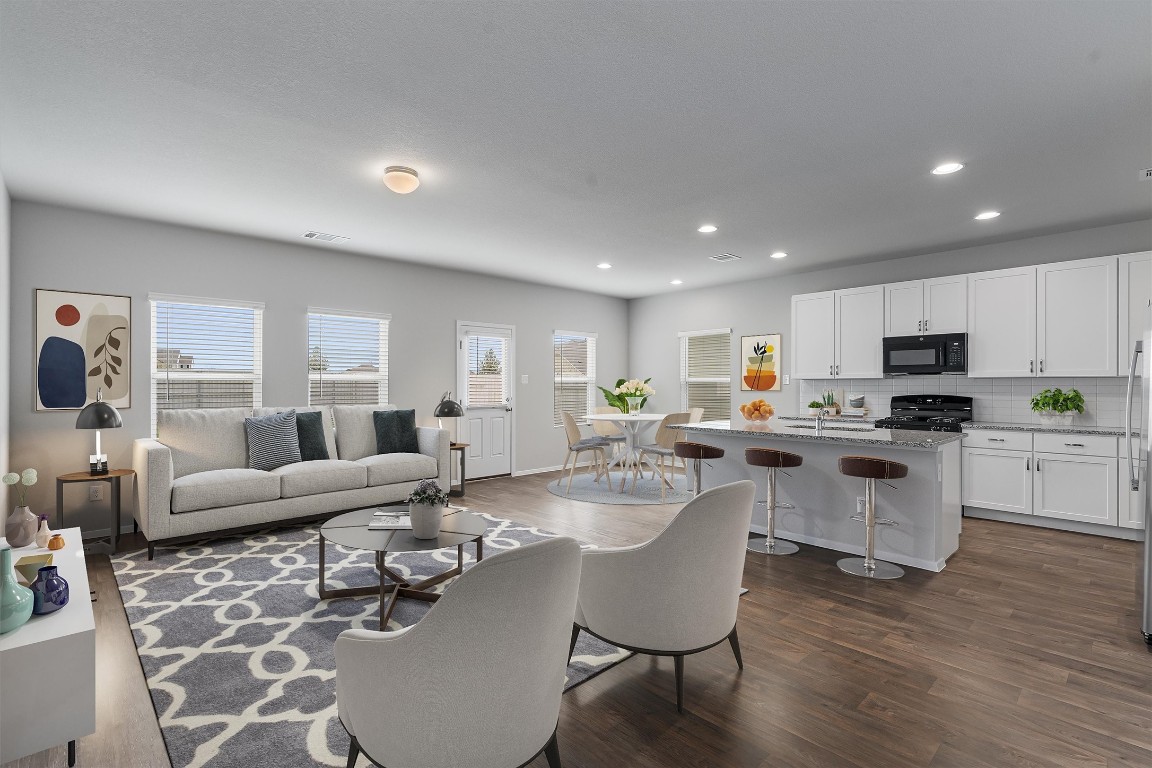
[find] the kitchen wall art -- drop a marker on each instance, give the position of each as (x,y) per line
(760,356)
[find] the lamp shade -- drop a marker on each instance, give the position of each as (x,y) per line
(448,408)
(99,415)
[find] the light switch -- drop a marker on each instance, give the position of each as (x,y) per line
(787,379)
(524,378)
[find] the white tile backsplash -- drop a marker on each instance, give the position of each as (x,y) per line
(992,399)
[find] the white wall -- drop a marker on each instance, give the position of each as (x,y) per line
(5,321)
(68,249)
(764,306)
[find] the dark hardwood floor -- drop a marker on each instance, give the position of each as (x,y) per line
(1025,651)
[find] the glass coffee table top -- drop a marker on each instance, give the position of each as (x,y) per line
(351,530)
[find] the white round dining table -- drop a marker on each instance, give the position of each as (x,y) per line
(632,425)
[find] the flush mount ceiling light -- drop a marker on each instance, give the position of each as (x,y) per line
(987,215)
(706,229)
(945,168)
(677,282)
(604,265)
(778,255)
(401,179)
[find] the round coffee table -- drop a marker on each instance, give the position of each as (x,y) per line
(351,530)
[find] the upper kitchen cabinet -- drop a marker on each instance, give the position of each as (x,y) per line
(1134,305)
(838,333)
(1002,323)
(1076,318)
(938,305)
(814,335)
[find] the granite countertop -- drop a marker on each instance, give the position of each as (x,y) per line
(888,438)
(1073,429)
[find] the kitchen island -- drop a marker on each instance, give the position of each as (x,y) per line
(925,504)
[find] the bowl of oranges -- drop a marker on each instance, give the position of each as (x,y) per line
(757,410)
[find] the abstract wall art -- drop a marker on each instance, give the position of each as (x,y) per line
(83,343)
(760,356)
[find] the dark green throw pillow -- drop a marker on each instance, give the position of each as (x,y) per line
(396,431)
(310,428)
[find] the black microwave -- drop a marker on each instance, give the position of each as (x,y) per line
(927,354)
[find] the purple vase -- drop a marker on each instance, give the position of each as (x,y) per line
(49,591)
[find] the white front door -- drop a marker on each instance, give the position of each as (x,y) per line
(485,371)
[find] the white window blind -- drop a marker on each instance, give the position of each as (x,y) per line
(206,353)
(486,358)
(706,372)
(574,371)
(347,357)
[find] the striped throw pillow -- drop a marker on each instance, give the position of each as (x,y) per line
(272,440)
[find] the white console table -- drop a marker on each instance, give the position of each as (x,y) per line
(48,667)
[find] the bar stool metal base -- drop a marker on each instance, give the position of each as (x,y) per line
(767,546)
(882,569)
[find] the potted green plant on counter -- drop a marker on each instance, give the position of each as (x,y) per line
(1057,407)
(814,408)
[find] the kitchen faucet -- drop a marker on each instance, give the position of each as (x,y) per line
(820,415)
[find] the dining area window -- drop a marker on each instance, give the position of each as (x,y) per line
(574,375)
(706,372)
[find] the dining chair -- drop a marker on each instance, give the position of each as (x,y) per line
(578,444)
(695,415)
(608,430)
(677,594)
(477,681)
(662,448)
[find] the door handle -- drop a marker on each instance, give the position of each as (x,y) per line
(1031,366)
(1041,365)
(925,325)
(837,369)
(919,325)
(1074,445)
(1133,475)
(1028,464)
(995,439)
(1037,465)
(829,370)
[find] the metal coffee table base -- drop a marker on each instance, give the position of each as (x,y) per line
(400,587)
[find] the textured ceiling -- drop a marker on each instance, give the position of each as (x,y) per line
(554,135)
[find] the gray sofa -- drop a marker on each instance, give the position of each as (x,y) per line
(193,478)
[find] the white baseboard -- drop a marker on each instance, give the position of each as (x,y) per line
(542,470)
(1110,531)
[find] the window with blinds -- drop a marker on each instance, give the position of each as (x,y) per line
(574,370)
(206,353)
(706,372)
(347,358)
(486,358)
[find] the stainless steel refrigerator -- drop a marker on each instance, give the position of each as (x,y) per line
(1137,446)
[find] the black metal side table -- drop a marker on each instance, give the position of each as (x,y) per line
(113,480)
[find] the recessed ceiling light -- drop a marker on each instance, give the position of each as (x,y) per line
(778,255)
(707,228)
(401,179)
(604,265)
(987,215)
(677,282)
(945,168)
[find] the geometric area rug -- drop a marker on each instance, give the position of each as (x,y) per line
(239,651)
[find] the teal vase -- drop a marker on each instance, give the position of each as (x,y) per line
(15,601)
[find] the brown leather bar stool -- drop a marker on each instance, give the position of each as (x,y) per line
(698,452)
(772,460)
(871,469)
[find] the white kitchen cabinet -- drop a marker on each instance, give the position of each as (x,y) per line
(1135,305)
(1081,488)
(814,335)
(939,305)
(1076,318)
(998,479)
(860,333)
(1002,323)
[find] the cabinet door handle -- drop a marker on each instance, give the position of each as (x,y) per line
(829,370)
(919,325)
(1041,365)
(1037,465)
(1031,366)
(1074,445)
(925,325)
(1028,464)
(837,369)
(995,439)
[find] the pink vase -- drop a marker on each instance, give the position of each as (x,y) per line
(20,527)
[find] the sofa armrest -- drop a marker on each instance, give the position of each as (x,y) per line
(152,461)
(434,442)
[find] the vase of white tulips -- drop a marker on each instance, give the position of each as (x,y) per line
(629,395)
(20,527)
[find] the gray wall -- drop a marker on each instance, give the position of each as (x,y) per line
(68,249)
(5,357)
(764,306)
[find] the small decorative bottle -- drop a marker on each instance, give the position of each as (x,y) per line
(49,591)
(56,542)
(43,533)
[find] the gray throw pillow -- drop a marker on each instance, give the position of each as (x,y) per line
(396,431)
(310,430)
(272,440)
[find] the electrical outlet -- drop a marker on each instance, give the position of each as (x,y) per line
(524,378)
(861,506)
(95,492)
(787,379)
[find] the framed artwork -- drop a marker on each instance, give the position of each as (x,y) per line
(760,359)
(83,344)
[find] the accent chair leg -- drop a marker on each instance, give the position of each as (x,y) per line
(71,753)
(572,645)
(734,641)
(679,661)
(353,751)
(151,550)
(552,752)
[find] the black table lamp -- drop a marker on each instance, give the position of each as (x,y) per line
(98,415)
(447,409)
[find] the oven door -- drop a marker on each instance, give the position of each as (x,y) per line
(928,354)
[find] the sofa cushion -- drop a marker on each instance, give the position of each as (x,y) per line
(325,417)
(355,430)
(396,431)
(307,478)
(203,439)
(223,488)
(272,440)
(310,431)
(389,468)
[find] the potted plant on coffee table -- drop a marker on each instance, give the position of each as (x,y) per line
(1057,407)
(426,509)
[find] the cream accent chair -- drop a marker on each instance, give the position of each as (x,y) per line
(477,681)
(662,448)
(577,444)
(678,593)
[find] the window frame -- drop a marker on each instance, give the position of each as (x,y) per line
(685,379)
(380,378)
(589,380)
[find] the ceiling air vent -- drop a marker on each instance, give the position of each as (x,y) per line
(725,257)
(327,238)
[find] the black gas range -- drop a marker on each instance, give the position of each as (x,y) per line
(928,413)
